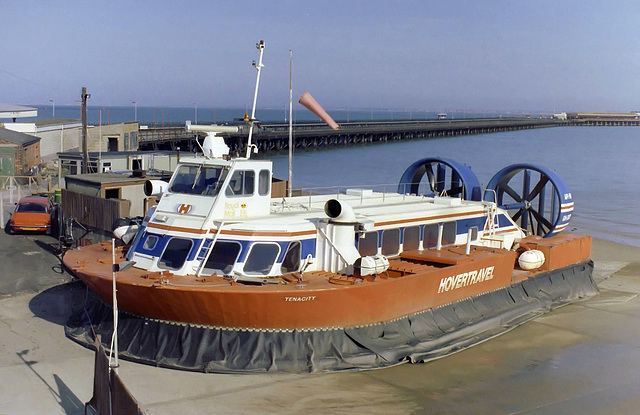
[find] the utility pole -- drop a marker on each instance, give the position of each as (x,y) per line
(85,144)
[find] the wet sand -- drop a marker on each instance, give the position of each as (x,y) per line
(584,357)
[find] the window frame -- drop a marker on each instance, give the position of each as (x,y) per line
(186,257)
(298,259)
(250,252)
(364,237)
(211,271)
(384,249)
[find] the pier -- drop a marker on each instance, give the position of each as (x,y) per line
(275,137)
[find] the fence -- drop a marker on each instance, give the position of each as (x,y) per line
(94,212)
(110,395)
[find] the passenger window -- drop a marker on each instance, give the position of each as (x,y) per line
(175,254)
(261,258)
(411,238)
(430,239)
(449,233)
(222,258)
(263,182)
(390,242)
(150,242)
(474,233)
(368,244)
(291,261)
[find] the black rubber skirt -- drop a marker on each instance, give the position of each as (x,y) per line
(421,337)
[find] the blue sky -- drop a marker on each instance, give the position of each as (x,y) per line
(435,55)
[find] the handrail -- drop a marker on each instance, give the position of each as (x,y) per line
(213,242)
(379,191)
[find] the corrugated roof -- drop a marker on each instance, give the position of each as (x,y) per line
(18,138)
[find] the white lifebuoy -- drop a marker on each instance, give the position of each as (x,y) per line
(532,259)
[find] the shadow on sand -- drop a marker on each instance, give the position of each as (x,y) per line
(68,401)
(58,303)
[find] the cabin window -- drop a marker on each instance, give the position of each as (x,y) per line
(474,233)
(390,242)
(430,239)
(261,258)
(291,261)
(411,238)
(449,233)
(198,180)
(431,234)
(263,182)
(241,184)
(175,254)
(222,258)
(368,244)
(150,242)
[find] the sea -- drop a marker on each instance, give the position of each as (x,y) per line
(599,164)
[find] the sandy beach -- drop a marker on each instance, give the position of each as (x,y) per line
(579,358)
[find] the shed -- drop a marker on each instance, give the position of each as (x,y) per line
(114,186)
(18,152)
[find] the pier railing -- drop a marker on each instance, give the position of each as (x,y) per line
(275,137)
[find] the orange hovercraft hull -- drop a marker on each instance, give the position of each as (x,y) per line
(324,312)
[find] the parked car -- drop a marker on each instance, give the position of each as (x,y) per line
(32,213)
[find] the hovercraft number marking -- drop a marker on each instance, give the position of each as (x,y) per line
(296,299)
(466,278)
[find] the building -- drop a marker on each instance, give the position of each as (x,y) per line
(55,135)
(59,136)
(19,152)
(129,187)
(17,111)
(71,162)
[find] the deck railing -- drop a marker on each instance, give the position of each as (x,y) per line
(383,192)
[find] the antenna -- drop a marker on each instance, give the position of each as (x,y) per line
(258,66)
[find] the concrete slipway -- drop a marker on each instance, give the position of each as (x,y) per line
(582,358)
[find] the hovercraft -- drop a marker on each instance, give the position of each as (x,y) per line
(227,278)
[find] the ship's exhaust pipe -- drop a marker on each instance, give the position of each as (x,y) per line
(338,251)
(155,187)
(339,212)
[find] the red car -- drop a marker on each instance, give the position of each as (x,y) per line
(33,213)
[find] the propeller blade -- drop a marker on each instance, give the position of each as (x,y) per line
(539,186)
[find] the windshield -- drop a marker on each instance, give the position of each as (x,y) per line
(198,180)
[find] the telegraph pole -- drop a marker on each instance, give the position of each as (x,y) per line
(85,144)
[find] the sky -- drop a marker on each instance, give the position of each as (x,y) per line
(546,56)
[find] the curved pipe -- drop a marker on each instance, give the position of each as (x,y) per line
(155,187)
(339,211)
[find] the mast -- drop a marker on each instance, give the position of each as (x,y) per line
(258,66)
(290,123)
